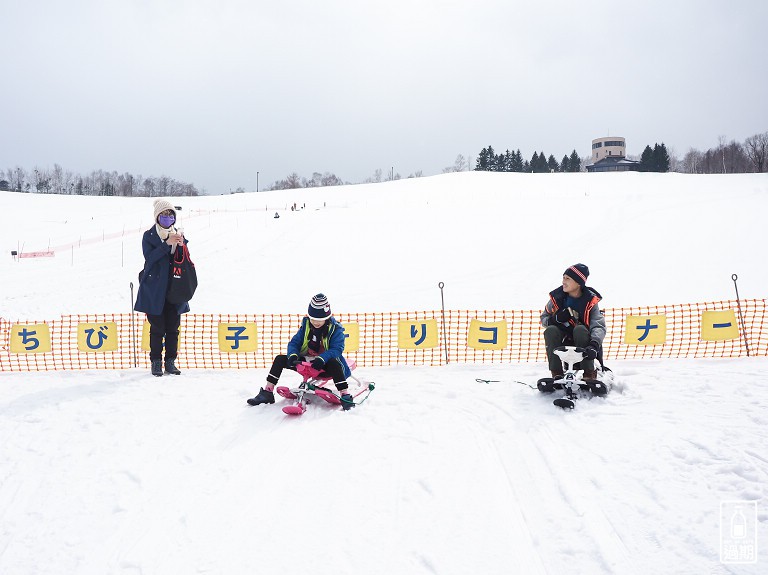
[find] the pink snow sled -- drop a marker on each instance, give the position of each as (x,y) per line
(313,384)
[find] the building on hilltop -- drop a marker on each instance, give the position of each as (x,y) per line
(614,164)
(609,154)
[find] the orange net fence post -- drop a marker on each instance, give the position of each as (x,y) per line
(212,341)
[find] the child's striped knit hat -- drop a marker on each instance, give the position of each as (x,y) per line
(319,308)
(578,273)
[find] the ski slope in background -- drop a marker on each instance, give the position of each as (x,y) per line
(121,473)
(497,241)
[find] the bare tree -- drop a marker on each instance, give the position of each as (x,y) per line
(162,186)
(314,182)
(459,165)
(135,185)
(18,178)
(692,162)
(69,182)
(182,189)
(123,185)
(57,179)
(148,187)
(42,181)
(736,159)
(725,159)
(292,182)
(721,149)
(756,149)
(674,162)
(98,182)
(331,180)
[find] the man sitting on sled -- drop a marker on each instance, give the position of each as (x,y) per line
(319,341)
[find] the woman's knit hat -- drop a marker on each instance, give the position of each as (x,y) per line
(578,273)
(319,308)
(161,206)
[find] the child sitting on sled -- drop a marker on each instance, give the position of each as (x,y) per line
(319,341)
(572,317)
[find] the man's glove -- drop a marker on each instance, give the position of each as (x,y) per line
(318,363)
(293,359)
(590,352)
(563,316)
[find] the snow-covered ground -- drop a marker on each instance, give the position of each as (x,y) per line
(120,473)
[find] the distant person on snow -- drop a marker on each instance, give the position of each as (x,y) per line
(319,341)
(159,244)
(572,317)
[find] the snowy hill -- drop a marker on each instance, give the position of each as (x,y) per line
(107,472)
(497,241)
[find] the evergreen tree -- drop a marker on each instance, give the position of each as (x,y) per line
(526,167)
(574,165)
(534,162)
(646,160)
(482,160)
(508,156)
(498,163)
(517,161)
(565,165)
(491,162)
(485,159)
(541,167)
(660,158)
(552,165)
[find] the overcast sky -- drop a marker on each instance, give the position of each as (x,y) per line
(211,91)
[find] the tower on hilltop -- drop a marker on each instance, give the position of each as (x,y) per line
(609,154)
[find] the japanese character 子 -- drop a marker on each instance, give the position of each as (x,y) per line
(237,336)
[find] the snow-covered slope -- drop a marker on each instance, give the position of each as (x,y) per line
(497,241)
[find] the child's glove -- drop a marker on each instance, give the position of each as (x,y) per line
(590,352)
(293,359)
(318,363)
(563,316)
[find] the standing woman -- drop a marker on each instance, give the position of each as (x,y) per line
(159,244)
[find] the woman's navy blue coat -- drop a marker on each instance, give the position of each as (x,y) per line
(153,286)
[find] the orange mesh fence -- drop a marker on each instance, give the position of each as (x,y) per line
(378,341)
